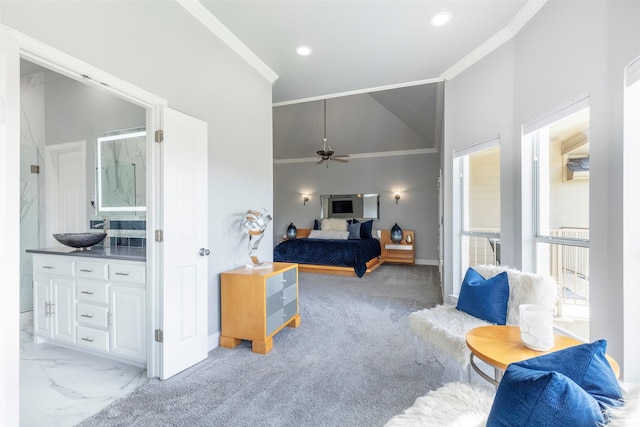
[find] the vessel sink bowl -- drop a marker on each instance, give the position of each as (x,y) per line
(79,240)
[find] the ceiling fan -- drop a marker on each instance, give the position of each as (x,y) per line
(327,152)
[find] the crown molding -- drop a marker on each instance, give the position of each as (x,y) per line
(528,11)
(206,18)
(359,91)
(363,155)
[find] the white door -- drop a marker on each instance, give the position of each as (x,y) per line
(184,269)
(66,176)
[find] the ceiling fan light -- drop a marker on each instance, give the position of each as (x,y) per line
(303,50)
(441,18)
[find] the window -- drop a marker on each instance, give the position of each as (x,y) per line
(559,143)
(477,201)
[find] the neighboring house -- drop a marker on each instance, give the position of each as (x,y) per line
(567,50)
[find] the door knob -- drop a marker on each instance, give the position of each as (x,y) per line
(204,252)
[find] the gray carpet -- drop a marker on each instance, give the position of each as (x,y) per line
(350,363)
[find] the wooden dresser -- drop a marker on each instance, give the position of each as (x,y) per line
(257,303)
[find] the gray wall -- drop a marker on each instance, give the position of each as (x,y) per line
(416,175)
(159,47)
(568,49)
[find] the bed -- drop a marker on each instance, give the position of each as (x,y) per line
(350,257)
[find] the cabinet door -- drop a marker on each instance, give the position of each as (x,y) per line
(41,299)
(63,310)
(127,332)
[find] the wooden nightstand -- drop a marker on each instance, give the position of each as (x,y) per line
(257,304)
(402,252)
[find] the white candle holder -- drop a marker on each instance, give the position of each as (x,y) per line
(536,327)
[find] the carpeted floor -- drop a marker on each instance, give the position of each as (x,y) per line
(350,363)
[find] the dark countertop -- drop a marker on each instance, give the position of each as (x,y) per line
(112,252)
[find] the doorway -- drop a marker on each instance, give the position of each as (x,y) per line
(57,180)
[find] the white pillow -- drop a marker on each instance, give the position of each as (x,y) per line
(334,224)
(329,234)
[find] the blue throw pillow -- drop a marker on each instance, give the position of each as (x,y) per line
(528,397)
(354,230)
(365,229)
(587,366)
(485,299)
(316,224)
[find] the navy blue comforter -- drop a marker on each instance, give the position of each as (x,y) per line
(343,253)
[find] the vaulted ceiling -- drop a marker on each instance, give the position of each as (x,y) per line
(364,44)
(384,54)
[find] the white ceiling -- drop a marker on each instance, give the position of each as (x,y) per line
(359,45)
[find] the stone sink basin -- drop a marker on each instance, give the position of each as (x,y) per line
(80,240)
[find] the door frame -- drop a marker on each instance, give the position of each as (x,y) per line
(64,64)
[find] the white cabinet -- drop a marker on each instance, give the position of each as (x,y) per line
(54,308)
(95,305)
(127,333)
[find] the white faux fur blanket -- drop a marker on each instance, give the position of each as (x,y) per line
(445,327)
(452,405)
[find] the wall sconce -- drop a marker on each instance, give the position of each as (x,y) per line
(305,199)
(397,197)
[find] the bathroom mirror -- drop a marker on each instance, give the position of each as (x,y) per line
(121,170)
(359,206)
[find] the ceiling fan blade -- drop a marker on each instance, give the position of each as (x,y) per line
(340,155)
(339,160)
(320,161)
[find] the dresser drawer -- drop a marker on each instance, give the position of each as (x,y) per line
(290,277)
(274,284)
(92,270)
(128,273)
(289,294)
(93,338)
(53,265)
(93,315)
(94,292)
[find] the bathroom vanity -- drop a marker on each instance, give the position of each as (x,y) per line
(92,300)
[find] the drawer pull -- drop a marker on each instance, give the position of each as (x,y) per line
(122,274)
(86,270)
(48,267)
(87,292)
(88,316)
(87,339)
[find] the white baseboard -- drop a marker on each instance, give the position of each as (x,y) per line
(433,262)
(214,341)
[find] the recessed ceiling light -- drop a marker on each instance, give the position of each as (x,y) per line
(441,18)
(303,50)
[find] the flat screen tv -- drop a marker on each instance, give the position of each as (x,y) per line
(342,206)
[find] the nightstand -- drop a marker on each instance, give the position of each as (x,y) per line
(402,252)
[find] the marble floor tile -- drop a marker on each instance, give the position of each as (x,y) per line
(61,387)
